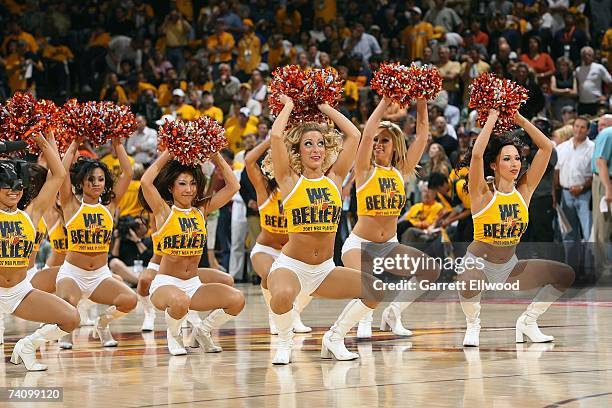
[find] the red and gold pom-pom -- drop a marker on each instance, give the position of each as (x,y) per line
(95,121)
(289,80)
(22,117)
(324,86)
(393,81)
(192,143)
(489,92)
(426,82)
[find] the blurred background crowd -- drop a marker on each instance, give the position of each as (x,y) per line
(187,58)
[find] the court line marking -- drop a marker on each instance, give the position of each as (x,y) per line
(567,401)
(374,385)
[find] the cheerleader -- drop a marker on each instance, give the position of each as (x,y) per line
(309,180)
(500,214)
(382,165)
(88,212)
(207,275)
(180,238)
(17,240)
(273,233)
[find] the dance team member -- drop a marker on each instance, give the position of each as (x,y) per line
(88,212)
(309,180)
(383,163)
(500,214)
(17,240)
(180,238)
(273,233)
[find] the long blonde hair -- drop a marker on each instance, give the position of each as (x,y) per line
(399,144)
(333,146)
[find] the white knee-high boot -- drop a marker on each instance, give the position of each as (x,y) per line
(284,324)
(25,349)
(471,309)
(173,335)
(203,333)
(1,328)
(148,323)
(527,324)
(267,296)
(102,329)
(364,328)
(83,307)
(333,340)
(298,306)
(392,315)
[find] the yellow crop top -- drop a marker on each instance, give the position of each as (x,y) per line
(503,221)
(183,233)
(41,232)
(271,215)
(58,237)
(90,230)
(314,205)
(17,237)
(383,194)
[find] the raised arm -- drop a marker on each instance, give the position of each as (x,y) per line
(66,195)
(254,171)
(532,177)
(364,152)
(232,185)
(280,159)
(158,206)
(48,193)
(477,184)
(122,184)
(345,159)
(416,149)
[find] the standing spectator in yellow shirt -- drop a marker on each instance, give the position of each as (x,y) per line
(220,45)
(415,37)
(450,71)
(280,52)
(177,30)
(325,9)
(57,57)
(243,126)
(209,109)
(17,34)
(112,91)
(288,20)
(249,52)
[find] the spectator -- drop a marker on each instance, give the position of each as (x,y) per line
(602,192)
(238,234)
(564,87)
(502,6)
(557,9)
(574,175)
(480,37)
(288,19)
(590,77)
(523,76)
(220,46)
(243,126)
(440,133)
(450,71)
(249,52)
(18,35)
(147,105)
(455,199)
(361,43)
(471,68)
(179,109)
(258,86)
(537,30)
(113,91)
(209,109)
(569,41)
(130,244)
(438,161)
(506,57)
(439,15)
(142,145)
(418,225)
(416,36)
(246,99)
(176,31)
(58,58)
(539,61)
(121,48)
(280,52)
(225,88)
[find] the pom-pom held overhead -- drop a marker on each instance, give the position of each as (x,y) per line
(192,143)
(489,92)
(95,121)
(307,89)
(22,116)
(426,82)
(393,81)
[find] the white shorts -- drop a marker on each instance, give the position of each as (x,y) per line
(87,281)
(258,248)
(376,249)
(10,298)
(189,286)
(310,276)
(31,272)
(495,273)
(154,266)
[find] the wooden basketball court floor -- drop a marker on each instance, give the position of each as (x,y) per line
(429,369)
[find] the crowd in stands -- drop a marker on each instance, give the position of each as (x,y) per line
(187,58)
